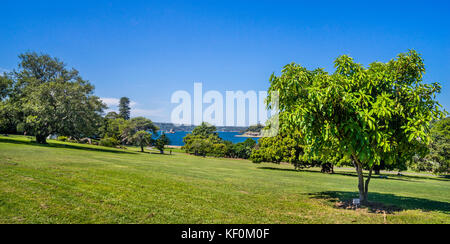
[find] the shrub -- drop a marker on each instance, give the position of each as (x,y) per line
(62,138)
(161,142)
(109,142)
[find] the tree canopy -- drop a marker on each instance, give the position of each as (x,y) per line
(47,98)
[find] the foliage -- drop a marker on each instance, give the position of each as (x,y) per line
(438,161)
(243,149)
(369,114)
(112,115)
(254,128)
(124,108)
(62,138)
(95,185)
(8,120)
(141,139)
(204,141)
(203,145)
(50,99)
(204,130)
(161,142)
(109,142)
(135,125)
(5,86)
(276,150)
(114,128)
(124,130)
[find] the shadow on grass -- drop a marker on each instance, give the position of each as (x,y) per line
(162,154)
(335,173)
(58,145)
(384,202)
(410,178)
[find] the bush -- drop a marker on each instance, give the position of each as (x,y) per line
(109,142)
(62,138)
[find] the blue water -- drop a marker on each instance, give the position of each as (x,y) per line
(176,139)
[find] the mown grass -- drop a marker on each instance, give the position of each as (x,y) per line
(72,183)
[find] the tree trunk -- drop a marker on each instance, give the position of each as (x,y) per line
(363,187)
(377,171)
(142,149)
(327,168)
(41,139)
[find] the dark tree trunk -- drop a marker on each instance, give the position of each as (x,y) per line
(41,139)
(142,149)
(327,168)
(377,171)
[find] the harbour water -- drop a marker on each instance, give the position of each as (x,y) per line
(176,139)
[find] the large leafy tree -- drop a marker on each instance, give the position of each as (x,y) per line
(135,125)
(204,130)
(124,108)
(114,128)
(51,99)
(382,112)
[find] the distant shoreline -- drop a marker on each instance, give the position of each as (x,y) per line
(249,136)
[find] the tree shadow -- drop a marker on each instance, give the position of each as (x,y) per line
(59,145)
(162,154)
(379,202)
(350,174)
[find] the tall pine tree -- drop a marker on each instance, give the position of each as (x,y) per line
(124,108)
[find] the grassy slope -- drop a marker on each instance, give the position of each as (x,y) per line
(67,183)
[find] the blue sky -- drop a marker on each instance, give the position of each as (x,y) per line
(146,50)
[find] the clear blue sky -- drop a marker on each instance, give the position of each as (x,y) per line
(146,50)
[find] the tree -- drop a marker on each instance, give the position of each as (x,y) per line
(137,124)
(141,139)
(7,121)
(243,149)
(124,108)
(114,128)
(161,142)
(5,86)
(382,112)
(204,130)
(141,123)
(112,115)
(281,148)
(51,99)
(204,141)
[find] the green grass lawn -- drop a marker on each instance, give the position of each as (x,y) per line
(72,183)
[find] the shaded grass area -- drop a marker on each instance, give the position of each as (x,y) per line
(74,183)
(406,203)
